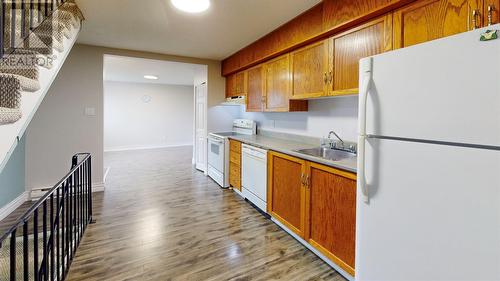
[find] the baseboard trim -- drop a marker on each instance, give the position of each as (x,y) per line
(98,187)
(145,147)
(14,204)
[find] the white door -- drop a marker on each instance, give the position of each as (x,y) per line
(200,147)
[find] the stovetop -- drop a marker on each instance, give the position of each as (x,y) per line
(225,134)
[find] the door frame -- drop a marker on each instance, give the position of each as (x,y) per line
(205,118)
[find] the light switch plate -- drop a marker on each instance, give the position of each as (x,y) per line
(89,111)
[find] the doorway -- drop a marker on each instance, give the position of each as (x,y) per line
(154,104)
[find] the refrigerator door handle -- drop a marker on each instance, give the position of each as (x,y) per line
(366,66)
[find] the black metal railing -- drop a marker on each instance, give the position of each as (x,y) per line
(32,13)
(55,225)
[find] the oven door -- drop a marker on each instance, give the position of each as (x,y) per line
(216,153)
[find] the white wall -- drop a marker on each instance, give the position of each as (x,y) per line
(131,123)
(339,114)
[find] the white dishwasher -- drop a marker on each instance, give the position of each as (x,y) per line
(254,175)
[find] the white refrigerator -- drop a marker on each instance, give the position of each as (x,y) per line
(428,203)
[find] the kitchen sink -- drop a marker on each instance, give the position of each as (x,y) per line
(327,153)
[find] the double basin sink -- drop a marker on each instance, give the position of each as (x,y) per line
(327,153)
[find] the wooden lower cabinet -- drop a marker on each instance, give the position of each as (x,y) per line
(235,164)
(286,191)
(316,202)
(331,213)
(491,12)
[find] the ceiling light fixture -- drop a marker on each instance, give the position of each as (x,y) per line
(191,6)
(151,77)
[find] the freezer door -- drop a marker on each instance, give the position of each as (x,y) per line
(445,90)
(433,214)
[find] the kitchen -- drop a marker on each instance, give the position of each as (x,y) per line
(321,140)
(334,195)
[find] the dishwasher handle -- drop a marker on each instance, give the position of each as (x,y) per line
(255,152)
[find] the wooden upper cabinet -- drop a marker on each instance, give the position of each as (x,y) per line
(337,12)
(277,87)
(348,48)
(491,12)
(236,84)
(310,71)
(286,191)
(277,84)
(331,215)
(255,90)
(427,20)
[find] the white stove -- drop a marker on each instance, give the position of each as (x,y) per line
(218,150)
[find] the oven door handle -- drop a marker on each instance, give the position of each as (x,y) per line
(216,141)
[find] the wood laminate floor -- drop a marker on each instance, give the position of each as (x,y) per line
(159,219)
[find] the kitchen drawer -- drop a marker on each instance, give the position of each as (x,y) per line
(235,175)
(235,157)
(235,146)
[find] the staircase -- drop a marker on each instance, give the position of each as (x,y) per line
(42,243)
(37,36)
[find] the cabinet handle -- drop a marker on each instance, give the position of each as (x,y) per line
(302,179)
(490,14)
(307,181)
(325,78)
(331,76)
(475,14)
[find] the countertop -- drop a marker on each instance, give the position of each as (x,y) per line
(288,147)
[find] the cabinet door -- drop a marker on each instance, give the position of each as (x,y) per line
(235,175)
(348,48)
(235,164)
(240,83)
(432,19)
(331,215)
(255,91)
(286,192)
(491,12)
(277,84)
(230,86)
(336,12)
(310,71)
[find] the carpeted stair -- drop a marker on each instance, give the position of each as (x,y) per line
(20,66)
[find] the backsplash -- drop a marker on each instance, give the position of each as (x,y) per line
(339,114)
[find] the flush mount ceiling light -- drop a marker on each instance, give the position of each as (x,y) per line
(191,6)
(151,77)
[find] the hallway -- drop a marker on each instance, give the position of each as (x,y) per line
(161,220)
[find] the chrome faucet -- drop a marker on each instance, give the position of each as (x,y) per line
(337,136)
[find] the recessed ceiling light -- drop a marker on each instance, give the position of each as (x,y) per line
(151,77)
(191,6)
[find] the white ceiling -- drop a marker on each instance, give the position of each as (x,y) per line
(127,69)
(156,26)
